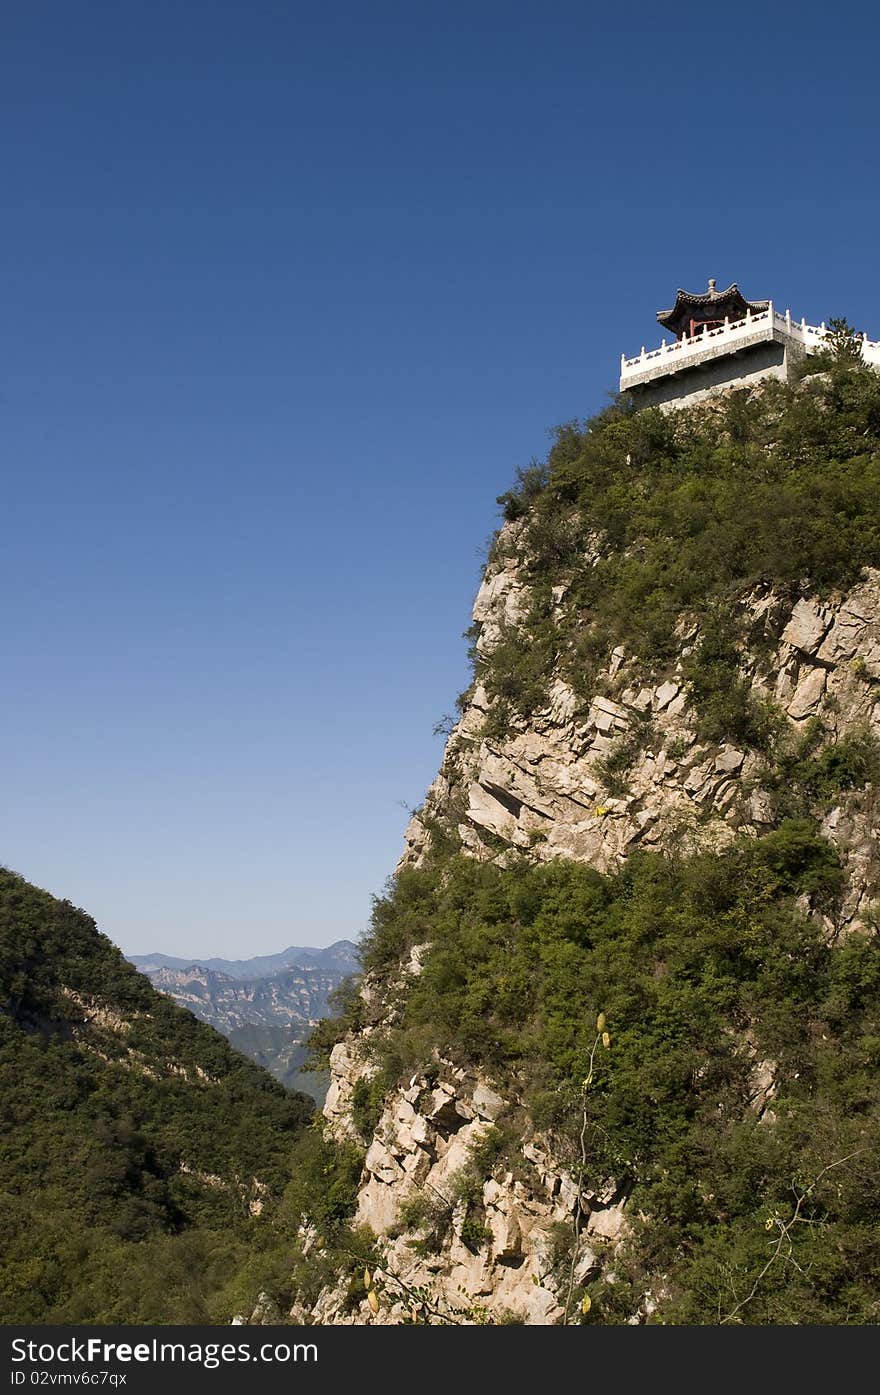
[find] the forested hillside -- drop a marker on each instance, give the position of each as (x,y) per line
(143,1161)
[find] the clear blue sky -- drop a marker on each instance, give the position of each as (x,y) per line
(288,293)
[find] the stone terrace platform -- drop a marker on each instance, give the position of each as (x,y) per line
(762,344)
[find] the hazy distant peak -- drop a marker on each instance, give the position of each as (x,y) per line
(341,956)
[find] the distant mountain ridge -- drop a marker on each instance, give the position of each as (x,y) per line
(341,955)
(265,1006)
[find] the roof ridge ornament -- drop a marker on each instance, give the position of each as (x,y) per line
(693,309)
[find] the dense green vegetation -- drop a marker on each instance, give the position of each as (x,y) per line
(703,968)
(645,518)
(134,1138)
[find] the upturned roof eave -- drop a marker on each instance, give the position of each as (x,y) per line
(685,300)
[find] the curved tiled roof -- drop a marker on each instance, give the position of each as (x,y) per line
(730,302)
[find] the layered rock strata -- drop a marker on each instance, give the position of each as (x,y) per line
(540,790)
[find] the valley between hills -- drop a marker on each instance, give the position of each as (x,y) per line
(265,1006)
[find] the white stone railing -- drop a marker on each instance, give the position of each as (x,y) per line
(812,337)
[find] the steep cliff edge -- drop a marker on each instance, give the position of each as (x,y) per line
(614,1053)
(545,789)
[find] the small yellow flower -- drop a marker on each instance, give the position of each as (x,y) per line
(768,1224)
(600,810)
(368,1279)
(373,1301)
(586,1304)
(600,1022)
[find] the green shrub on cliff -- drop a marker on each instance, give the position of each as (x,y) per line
(643,516)
(704,968)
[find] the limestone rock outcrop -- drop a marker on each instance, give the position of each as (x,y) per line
(464,1247)
(540,788)
(452,1241)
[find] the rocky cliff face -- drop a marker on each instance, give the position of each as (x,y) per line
(293,998)
(426,1148)
(540,789)
(543,790)
(593,778)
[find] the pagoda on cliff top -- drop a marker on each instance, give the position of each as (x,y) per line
(721,341)
(694,312)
